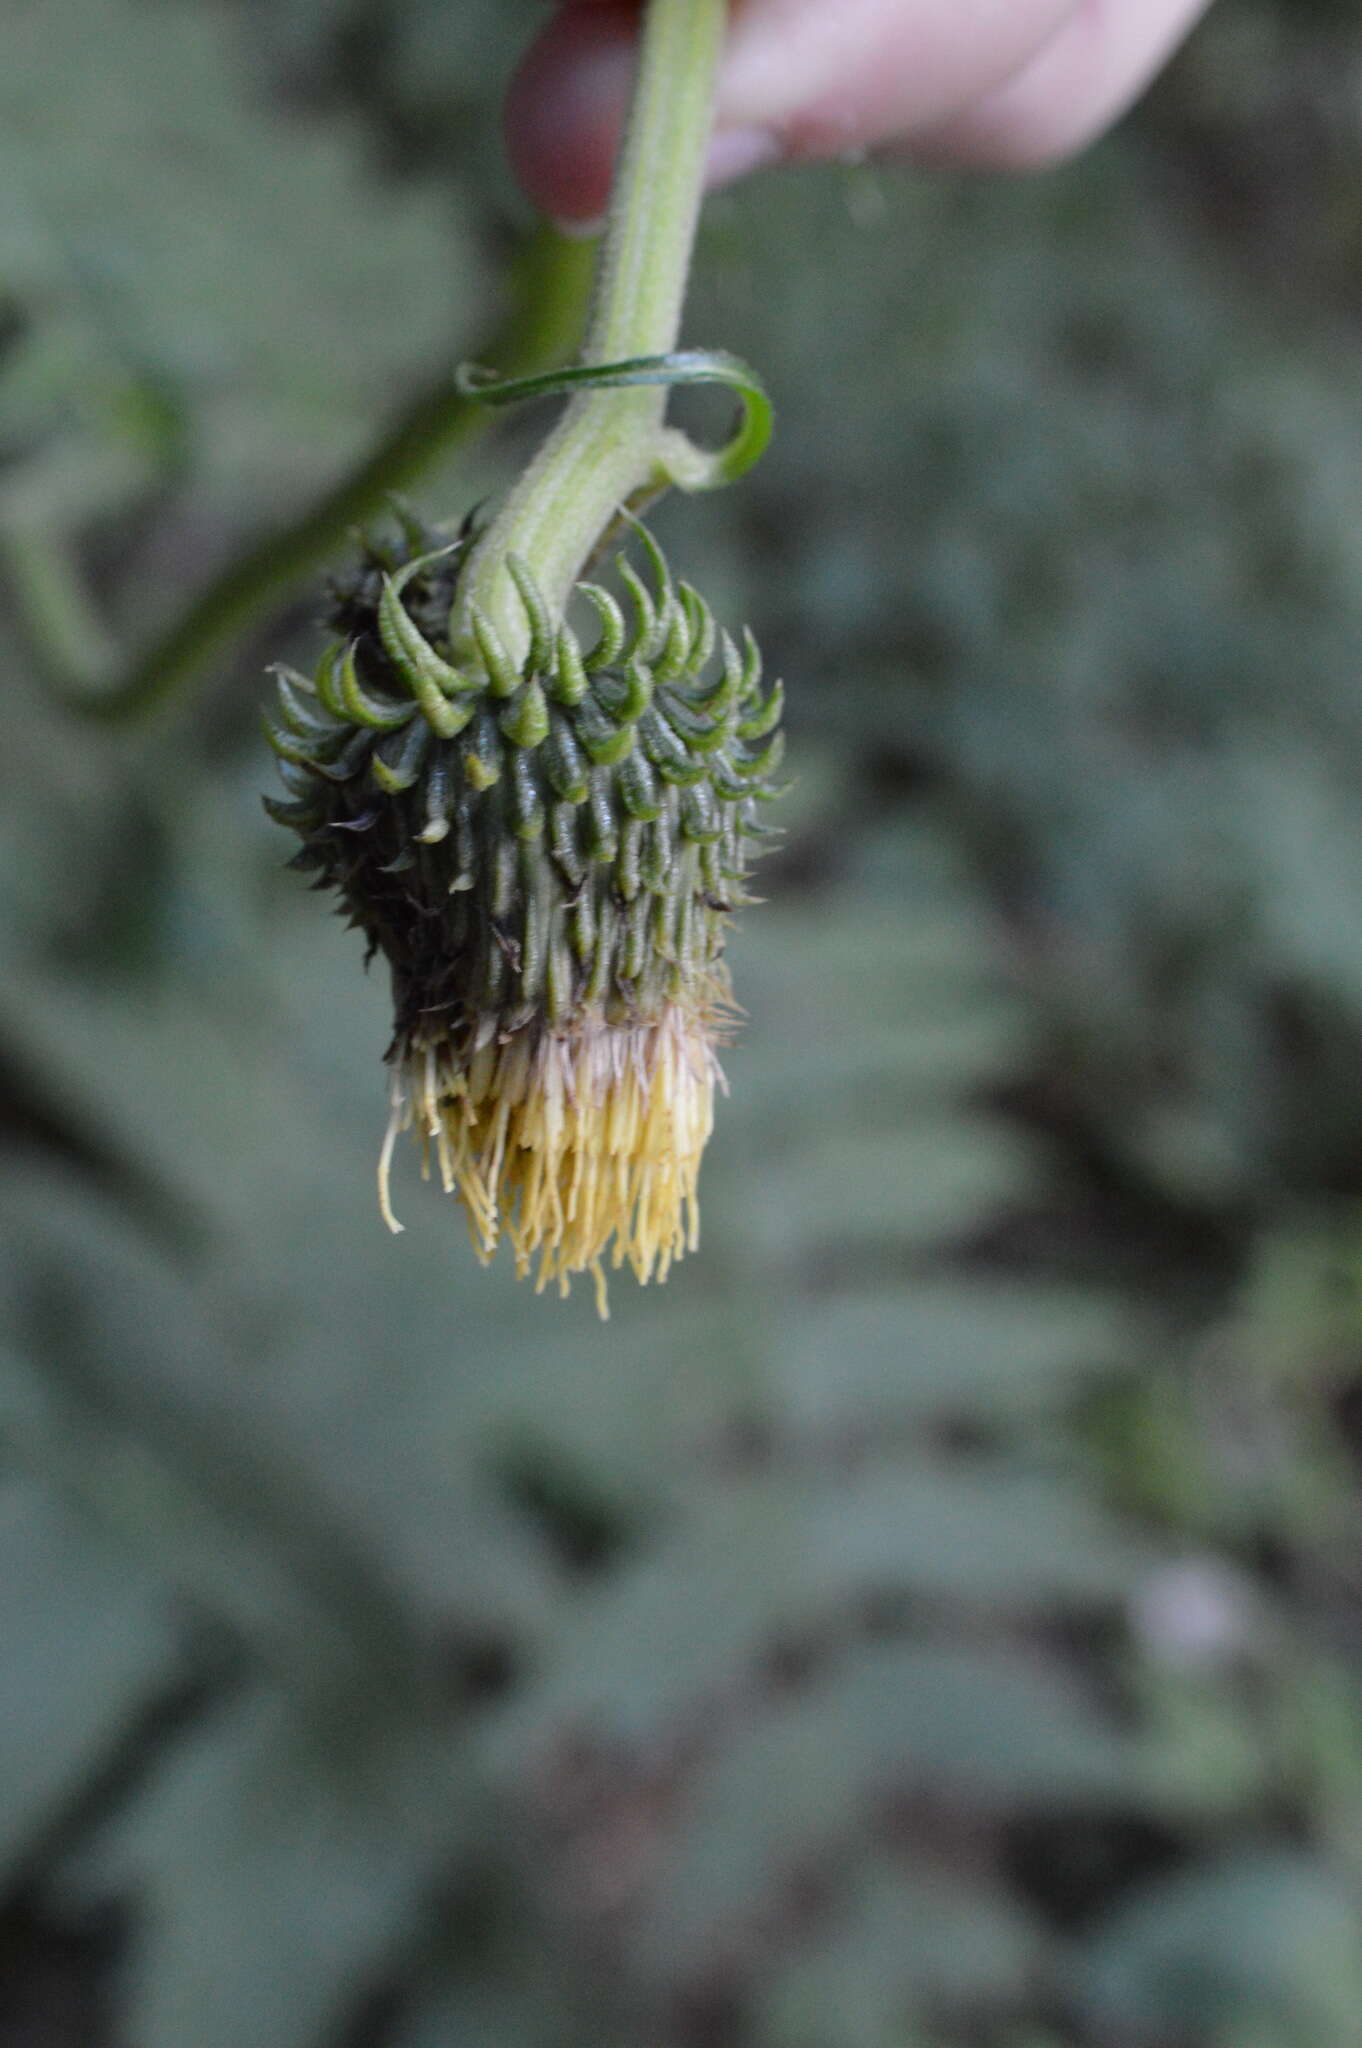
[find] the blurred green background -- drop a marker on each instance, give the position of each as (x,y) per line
(935,1620)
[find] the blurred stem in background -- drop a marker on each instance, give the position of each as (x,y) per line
(551,280)
(612,444)
(610,447)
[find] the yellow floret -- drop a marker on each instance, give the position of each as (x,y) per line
(575,1145)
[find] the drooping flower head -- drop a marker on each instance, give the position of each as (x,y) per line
(548,853)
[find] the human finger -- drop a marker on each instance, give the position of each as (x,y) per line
(801,78)
(1072,90)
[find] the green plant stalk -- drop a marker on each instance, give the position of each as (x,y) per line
(550,292)
(611,445)
(55,609)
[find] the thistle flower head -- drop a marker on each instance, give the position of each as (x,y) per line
(548,853)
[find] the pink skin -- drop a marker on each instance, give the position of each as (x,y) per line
(992,83)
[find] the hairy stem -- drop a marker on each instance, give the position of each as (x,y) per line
(610,444)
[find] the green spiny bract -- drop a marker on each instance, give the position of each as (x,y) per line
(570,833)
(547,852)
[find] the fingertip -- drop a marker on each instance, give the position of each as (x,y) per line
(1077,86)
(734,152)
(566,106)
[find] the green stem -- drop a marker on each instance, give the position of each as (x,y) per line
(54,607)
(550,290)
(611,444)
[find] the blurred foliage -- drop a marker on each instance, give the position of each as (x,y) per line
(934,1619)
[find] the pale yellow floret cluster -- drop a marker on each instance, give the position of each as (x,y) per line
(574,1146)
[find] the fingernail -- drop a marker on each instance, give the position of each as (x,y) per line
(736,151)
